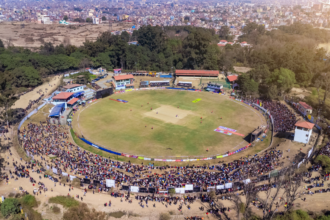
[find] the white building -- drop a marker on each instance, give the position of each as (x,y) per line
(73,88)
(96,21)
(303,131)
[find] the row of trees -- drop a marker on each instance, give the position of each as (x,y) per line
(279,58)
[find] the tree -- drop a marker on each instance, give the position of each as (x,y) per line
(82,212)
(171,191)
(65,18)
(89,20)
(152,38)
(104,18)
(224,33)
(164,216)
(9,206)
(247,86)
(283,78)
(260,73)
(7,97)
(195,48)
(125,36)
(79,20)
(1,44)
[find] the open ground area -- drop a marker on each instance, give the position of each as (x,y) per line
(167,123)
(29,35)
(46,88)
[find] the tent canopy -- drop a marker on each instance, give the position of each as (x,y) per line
(78,94)
(56,111)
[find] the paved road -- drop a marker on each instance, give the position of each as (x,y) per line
(102,82)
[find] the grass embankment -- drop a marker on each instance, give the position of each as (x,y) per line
(65,201)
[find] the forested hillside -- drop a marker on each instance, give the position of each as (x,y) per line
(279,58)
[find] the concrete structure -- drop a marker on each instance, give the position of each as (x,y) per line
(304,108)
(123,81)
(62,97)
(232,78)
(117,71)
(197,73)
(96,21)
(303,131)
(73,88)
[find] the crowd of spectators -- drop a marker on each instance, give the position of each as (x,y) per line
(45,139)
(284,118)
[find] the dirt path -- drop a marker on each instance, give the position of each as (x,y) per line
(45,89)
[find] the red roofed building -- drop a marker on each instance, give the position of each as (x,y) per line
(303,131)
(62,97)
(73,88)
(232,78)
(304,108)
(72,101)
(201,73)
(222,43)
(124,81)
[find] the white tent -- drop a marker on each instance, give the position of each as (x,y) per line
(134,189)
(180,190)
(228,185)
(220,186)
(189,187)
(110,183)
(247,181)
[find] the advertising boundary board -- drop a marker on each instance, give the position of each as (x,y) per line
(143,158)
(167,160)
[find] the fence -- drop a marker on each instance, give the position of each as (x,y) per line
(176,159)
(30,114)
(271,120)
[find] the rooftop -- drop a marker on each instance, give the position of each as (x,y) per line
(305,105)
(63,95)
(121,77)
(232,78)
(71,86)
(197,72)
(72,101)
(304,124)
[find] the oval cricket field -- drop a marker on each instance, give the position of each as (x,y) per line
(165,123)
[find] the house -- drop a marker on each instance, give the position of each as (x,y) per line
(96,21)
(232,78)
(124,81)
(214,87)
(117,71)
(62,97)
(303,131)
(222,43)
(244,44)
(133,43)
(197,73)
(73,88)
(304,108)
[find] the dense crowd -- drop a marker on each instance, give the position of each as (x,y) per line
(46,139)
(284,119)
(31,103)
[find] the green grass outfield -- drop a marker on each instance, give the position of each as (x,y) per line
(112,125)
